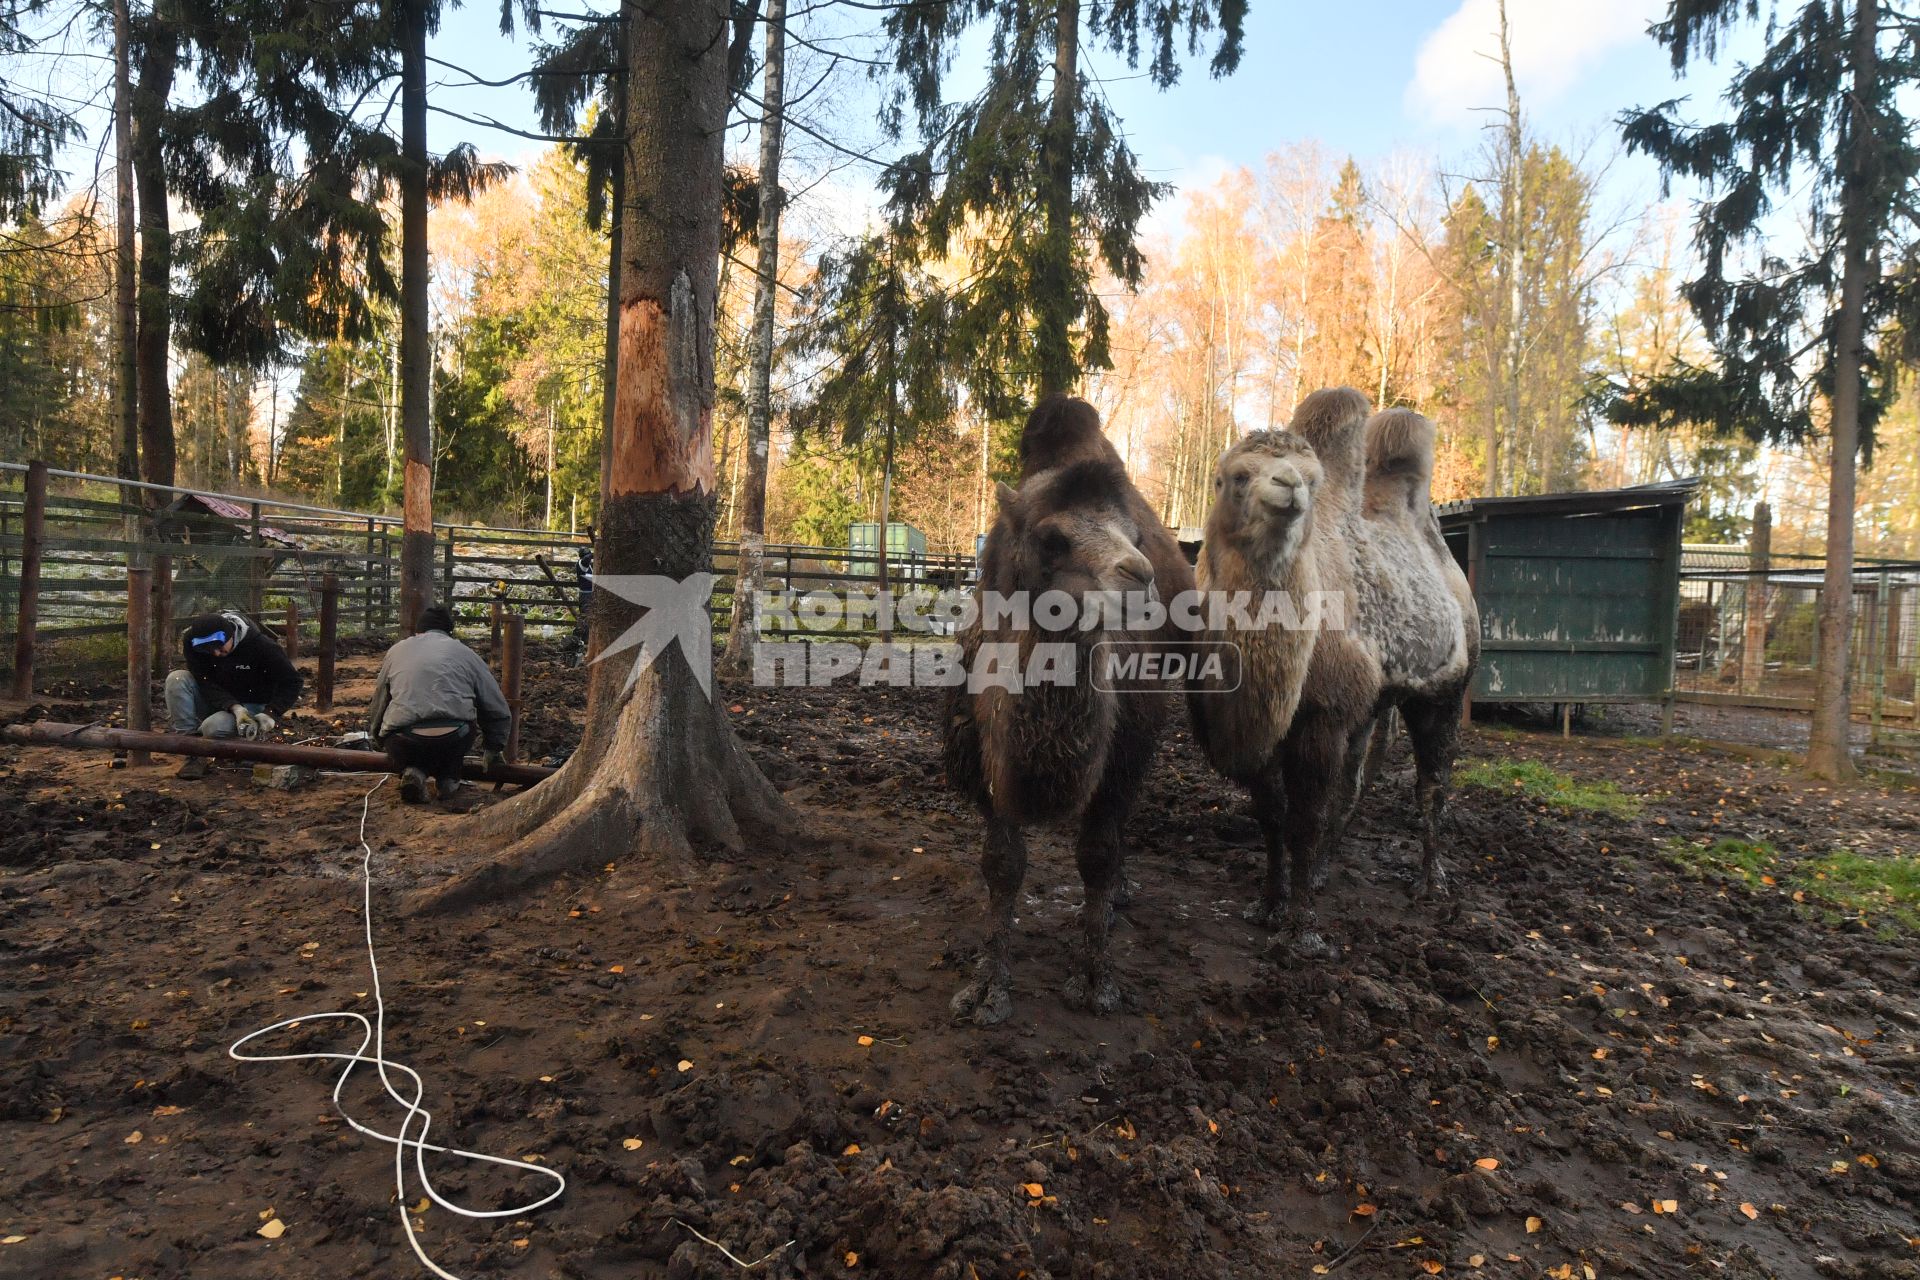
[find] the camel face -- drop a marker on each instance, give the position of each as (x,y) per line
(1073,536)
(1263,488)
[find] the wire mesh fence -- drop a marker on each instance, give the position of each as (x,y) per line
(1749,637)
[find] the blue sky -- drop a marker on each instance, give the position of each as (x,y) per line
(1368,77)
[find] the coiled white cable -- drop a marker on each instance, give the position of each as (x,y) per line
(374,1033)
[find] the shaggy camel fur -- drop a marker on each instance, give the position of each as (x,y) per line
(1339,503)
(1056,751)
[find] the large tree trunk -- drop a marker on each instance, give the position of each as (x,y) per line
(1512,216)
(658,772)
(416,372)
(1829,754)
(1053,308)
(158,60)
(126,395)
(750,568)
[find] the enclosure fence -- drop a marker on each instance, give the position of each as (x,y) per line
(294,565)
(1749,636)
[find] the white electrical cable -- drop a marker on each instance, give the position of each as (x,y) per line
(375,1033)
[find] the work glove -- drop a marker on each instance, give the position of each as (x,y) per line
(245,722)
(267,723)
(494,759)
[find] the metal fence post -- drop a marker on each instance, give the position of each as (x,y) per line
(329,628)
(510,679)
(33,531)
(139,656)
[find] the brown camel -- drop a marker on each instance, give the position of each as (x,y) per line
(1076,749)
(1337,504)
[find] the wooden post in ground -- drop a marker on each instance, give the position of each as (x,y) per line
(446,586)
(510,679)
(493,647)
(291,636)
(1753,642)
(161,621)
(369,579)
(139,656)
(33,541)
(329,635)
(256,567)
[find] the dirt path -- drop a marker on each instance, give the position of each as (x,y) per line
(1596,1061)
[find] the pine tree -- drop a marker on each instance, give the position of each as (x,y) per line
(1037,170)
(1797,337)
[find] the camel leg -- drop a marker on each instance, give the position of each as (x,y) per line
(1376,751)
(1269,810)
(1434,727)
(1101,860)
(1347,785)
(1314,754)
(988,998)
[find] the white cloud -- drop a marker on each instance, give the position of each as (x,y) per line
(1554,43)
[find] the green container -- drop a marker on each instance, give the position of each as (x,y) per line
(1578,592)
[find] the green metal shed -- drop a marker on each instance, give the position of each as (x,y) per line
(1578,592)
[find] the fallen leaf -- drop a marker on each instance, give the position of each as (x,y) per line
(1477,1260)
(616,968)
(853,1149)
(853,1259)
(133,1139)
(865,1041)
(1034,1189)
(686,1064)
(13,1240)
(522,1243)
(1871,1161)
(632,1144)
(1750,1211)
(1431,1267)
(1666,1206)
(1534,1225)
(423,1206)
(174,1111)
(1365,1210)
(1486,1162)
(273,1229)
(1320,1269)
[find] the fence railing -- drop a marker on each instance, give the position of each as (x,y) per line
(1750,637)
(277,560)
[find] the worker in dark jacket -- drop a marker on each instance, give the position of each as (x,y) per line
(431,697)
(237,683)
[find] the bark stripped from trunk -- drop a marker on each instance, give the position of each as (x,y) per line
(750,568)
(658,773)
(416,545)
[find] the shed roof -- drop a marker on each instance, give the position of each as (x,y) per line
(233,511)
(1666,493)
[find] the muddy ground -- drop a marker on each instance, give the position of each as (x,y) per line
(1595,1064)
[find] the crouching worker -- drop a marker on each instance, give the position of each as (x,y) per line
(433,694)
(237,683)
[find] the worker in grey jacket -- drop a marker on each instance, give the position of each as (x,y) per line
(432,695)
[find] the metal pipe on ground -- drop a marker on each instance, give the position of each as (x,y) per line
(48,733)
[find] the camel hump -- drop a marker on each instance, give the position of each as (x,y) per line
(1400,443)
(1061,431)
(1333,420)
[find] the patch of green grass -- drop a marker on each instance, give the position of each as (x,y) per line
(1749,861)
(1869,888)
(1841,884)
(1539,782)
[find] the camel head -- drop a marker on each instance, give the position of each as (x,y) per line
(1069,529)
(1263,490)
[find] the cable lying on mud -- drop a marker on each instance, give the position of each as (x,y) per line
(374,1033)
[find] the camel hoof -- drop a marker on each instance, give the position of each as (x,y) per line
(1265,915)
(1096,995)
(985,1002)
(1434,886)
